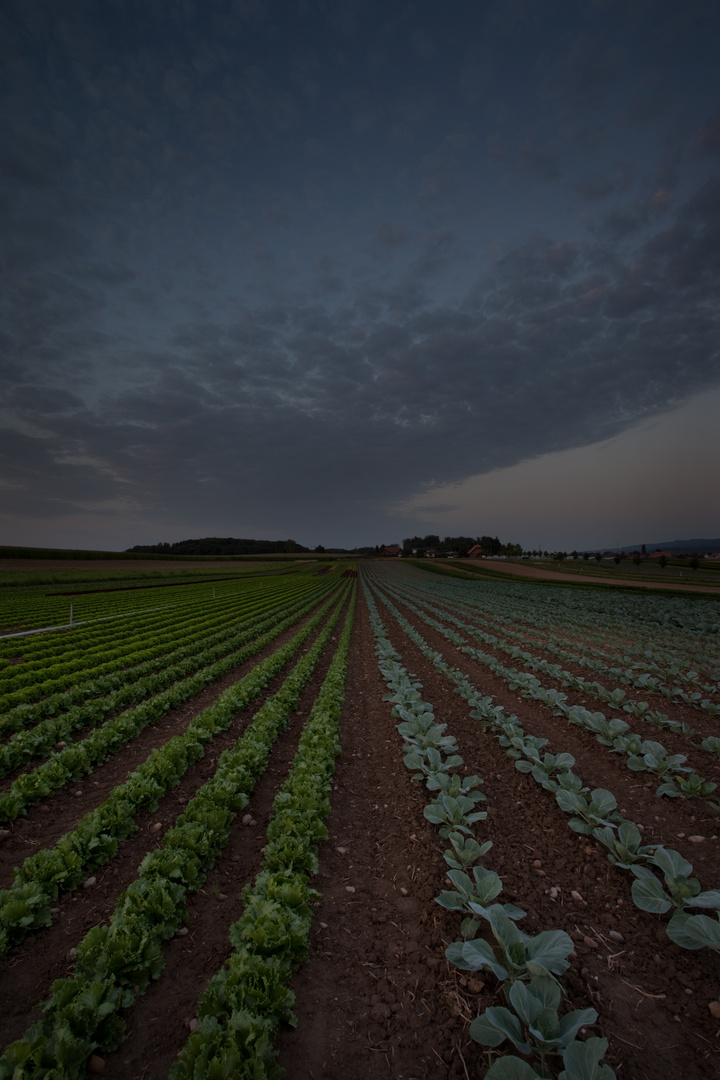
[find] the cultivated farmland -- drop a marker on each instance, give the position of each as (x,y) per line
(410,826)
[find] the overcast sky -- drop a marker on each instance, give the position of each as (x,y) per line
(327,269)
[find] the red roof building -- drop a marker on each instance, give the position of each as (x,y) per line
(476,552)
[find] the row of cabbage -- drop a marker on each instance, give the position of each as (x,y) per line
(116,962)
(643,755)
(528,967)
(662,644)
(663,878)
(669,678)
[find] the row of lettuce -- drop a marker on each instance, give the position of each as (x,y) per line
(25,608)
(176,676)
(248,998)
(64,663)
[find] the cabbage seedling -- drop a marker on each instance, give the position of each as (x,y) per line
(453,814)
(465,851)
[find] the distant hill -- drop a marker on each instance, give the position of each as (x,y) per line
(216,545)
(687,547)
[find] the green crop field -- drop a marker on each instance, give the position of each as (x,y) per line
(415,825)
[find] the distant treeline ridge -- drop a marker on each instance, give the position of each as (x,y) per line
(216,545)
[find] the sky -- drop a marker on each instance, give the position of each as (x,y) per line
(348,271)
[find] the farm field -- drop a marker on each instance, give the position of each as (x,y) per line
(674,577)
(219,855)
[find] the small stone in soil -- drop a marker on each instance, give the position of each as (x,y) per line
(591,944)
(95,1064)
(246,819)
(54,910)
(157,826)
(349,888)
(714,1008)
(341,850)
(617,936)
(696,839)
(89,882)
(537,863)
(182,931)
(77,794)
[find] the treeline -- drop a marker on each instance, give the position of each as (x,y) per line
(460,545)
(226,545)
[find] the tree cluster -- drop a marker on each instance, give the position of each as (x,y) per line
(461,545)
(228,545)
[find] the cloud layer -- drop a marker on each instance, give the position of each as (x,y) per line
(269,275)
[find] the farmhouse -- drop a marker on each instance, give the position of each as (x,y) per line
(476,552)
(391,549)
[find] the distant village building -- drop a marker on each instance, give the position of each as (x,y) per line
(659,555)
(392,549)
(476,552)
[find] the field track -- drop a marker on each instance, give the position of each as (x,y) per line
(200,859)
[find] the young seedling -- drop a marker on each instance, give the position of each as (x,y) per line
(465,851)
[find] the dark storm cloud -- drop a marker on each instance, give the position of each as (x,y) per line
(557,345)
(287,270)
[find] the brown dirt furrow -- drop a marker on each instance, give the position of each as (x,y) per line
(377,998)
(48,820)
(28,970)
(640,986)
